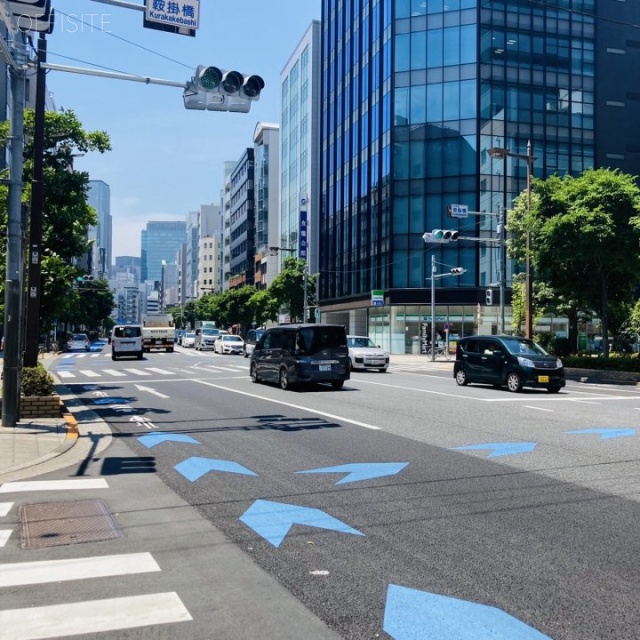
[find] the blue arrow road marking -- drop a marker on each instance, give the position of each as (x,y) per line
(111,401)
(606,433)
(362,470)
(194,468)
(273,520)
(157,438)
(499,448)
(418,615)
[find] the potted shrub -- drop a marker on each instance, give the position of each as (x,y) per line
(37,394)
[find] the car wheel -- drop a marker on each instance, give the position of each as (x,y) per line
(284,379)
(253,372)
(553,389)
(461,378)
(383,370)
(514,383)
(113,356)
(337,384)
(140,356)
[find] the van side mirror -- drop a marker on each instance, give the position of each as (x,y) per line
(257,347)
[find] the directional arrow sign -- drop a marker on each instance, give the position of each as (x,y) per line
(412,615)
(606,433)
(157,438)
(273,520)
(362,471)
(111,401)
(150,390)
(194,468)
(499,448)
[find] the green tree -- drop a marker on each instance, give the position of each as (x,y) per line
(92,302)
(264,307)
(288,288)
(585,233)
(67,215)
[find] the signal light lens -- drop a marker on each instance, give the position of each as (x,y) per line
(210,78)
(232,82)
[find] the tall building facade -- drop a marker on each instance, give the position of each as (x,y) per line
(100,199)
(242,222)
(160,242)
(413,97)
(300,145)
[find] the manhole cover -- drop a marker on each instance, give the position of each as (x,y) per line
(53,524)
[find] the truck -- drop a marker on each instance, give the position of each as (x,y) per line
(158,332)
(206,334)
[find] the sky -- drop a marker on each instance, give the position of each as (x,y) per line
(167,160)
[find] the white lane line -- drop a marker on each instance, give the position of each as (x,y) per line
(114,372)
(214,367)
(528,406)
(53,485)
(4,536)
(67,356)
(89,373)
(66,374)
(42,571)
(164,372)
(76,618)
(138,372)
(582,401)
(5,507)
(290,404)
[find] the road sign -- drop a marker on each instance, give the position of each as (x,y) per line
(377,298)
(173,17)
(458,211)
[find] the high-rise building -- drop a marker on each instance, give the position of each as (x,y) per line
(160,241)
(300,146)
(100,199)
(414,96)
(242,221)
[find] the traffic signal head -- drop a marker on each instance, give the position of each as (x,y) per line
(444,235)
(457,271)
(217,89)
(488,296)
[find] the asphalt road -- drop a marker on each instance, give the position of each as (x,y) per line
(402,506)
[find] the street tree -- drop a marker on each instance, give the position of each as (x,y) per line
(67,214)
(288,288)
(585,233)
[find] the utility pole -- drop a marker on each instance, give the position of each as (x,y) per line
(14,272)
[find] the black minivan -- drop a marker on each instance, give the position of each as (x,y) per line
(301,353)
(507,360)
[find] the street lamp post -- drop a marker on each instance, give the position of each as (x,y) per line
(499,152)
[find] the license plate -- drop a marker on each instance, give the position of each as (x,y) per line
(158,341)
(324,367)
(543,379)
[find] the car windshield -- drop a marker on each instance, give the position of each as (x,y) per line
(79,337)
(359,342)
(190,335)
(524,347)
(314,339)
(232,338)
(210,332)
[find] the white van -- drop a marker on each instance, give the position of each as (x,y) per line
(126,340)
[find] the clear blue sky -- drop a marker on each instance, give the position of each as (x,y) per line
(167,160)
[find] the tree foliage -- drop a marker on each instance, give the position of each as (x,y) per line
(585,234)
(67,214)
(288,288)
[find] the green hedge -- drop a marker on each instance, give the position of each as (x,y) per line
(36,381)
(615,362)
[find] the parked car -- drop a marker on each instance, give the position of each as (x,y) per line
(507,360)
(364,353)
(305,353)
(206,338)
(253,335)
(188,339)
(229,344)
(79,342)
(126,340)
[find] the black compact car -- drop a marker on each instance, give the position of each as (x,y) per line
(301,353)
(507,360)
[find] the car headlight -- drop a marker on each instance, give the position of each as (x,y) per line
(525,362)
(559,363)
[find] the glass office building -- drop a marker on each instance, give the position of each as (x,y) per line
(160,243)
(414,95)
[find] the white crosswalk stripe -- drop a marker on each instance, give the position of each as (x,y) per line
(54,485)
(5,534)
(114,372)
(90,373)
(138,372)
(66,374)
(163,372)
(5,507)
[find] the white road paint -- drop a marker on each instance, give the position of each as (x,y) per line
(42,571)
(65,374)
(163,372)
(53,485)
(5,507)
(290,404)
(114,372)
(90,373)
(150,390)
(95,616)
(138,372)
(4,536)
